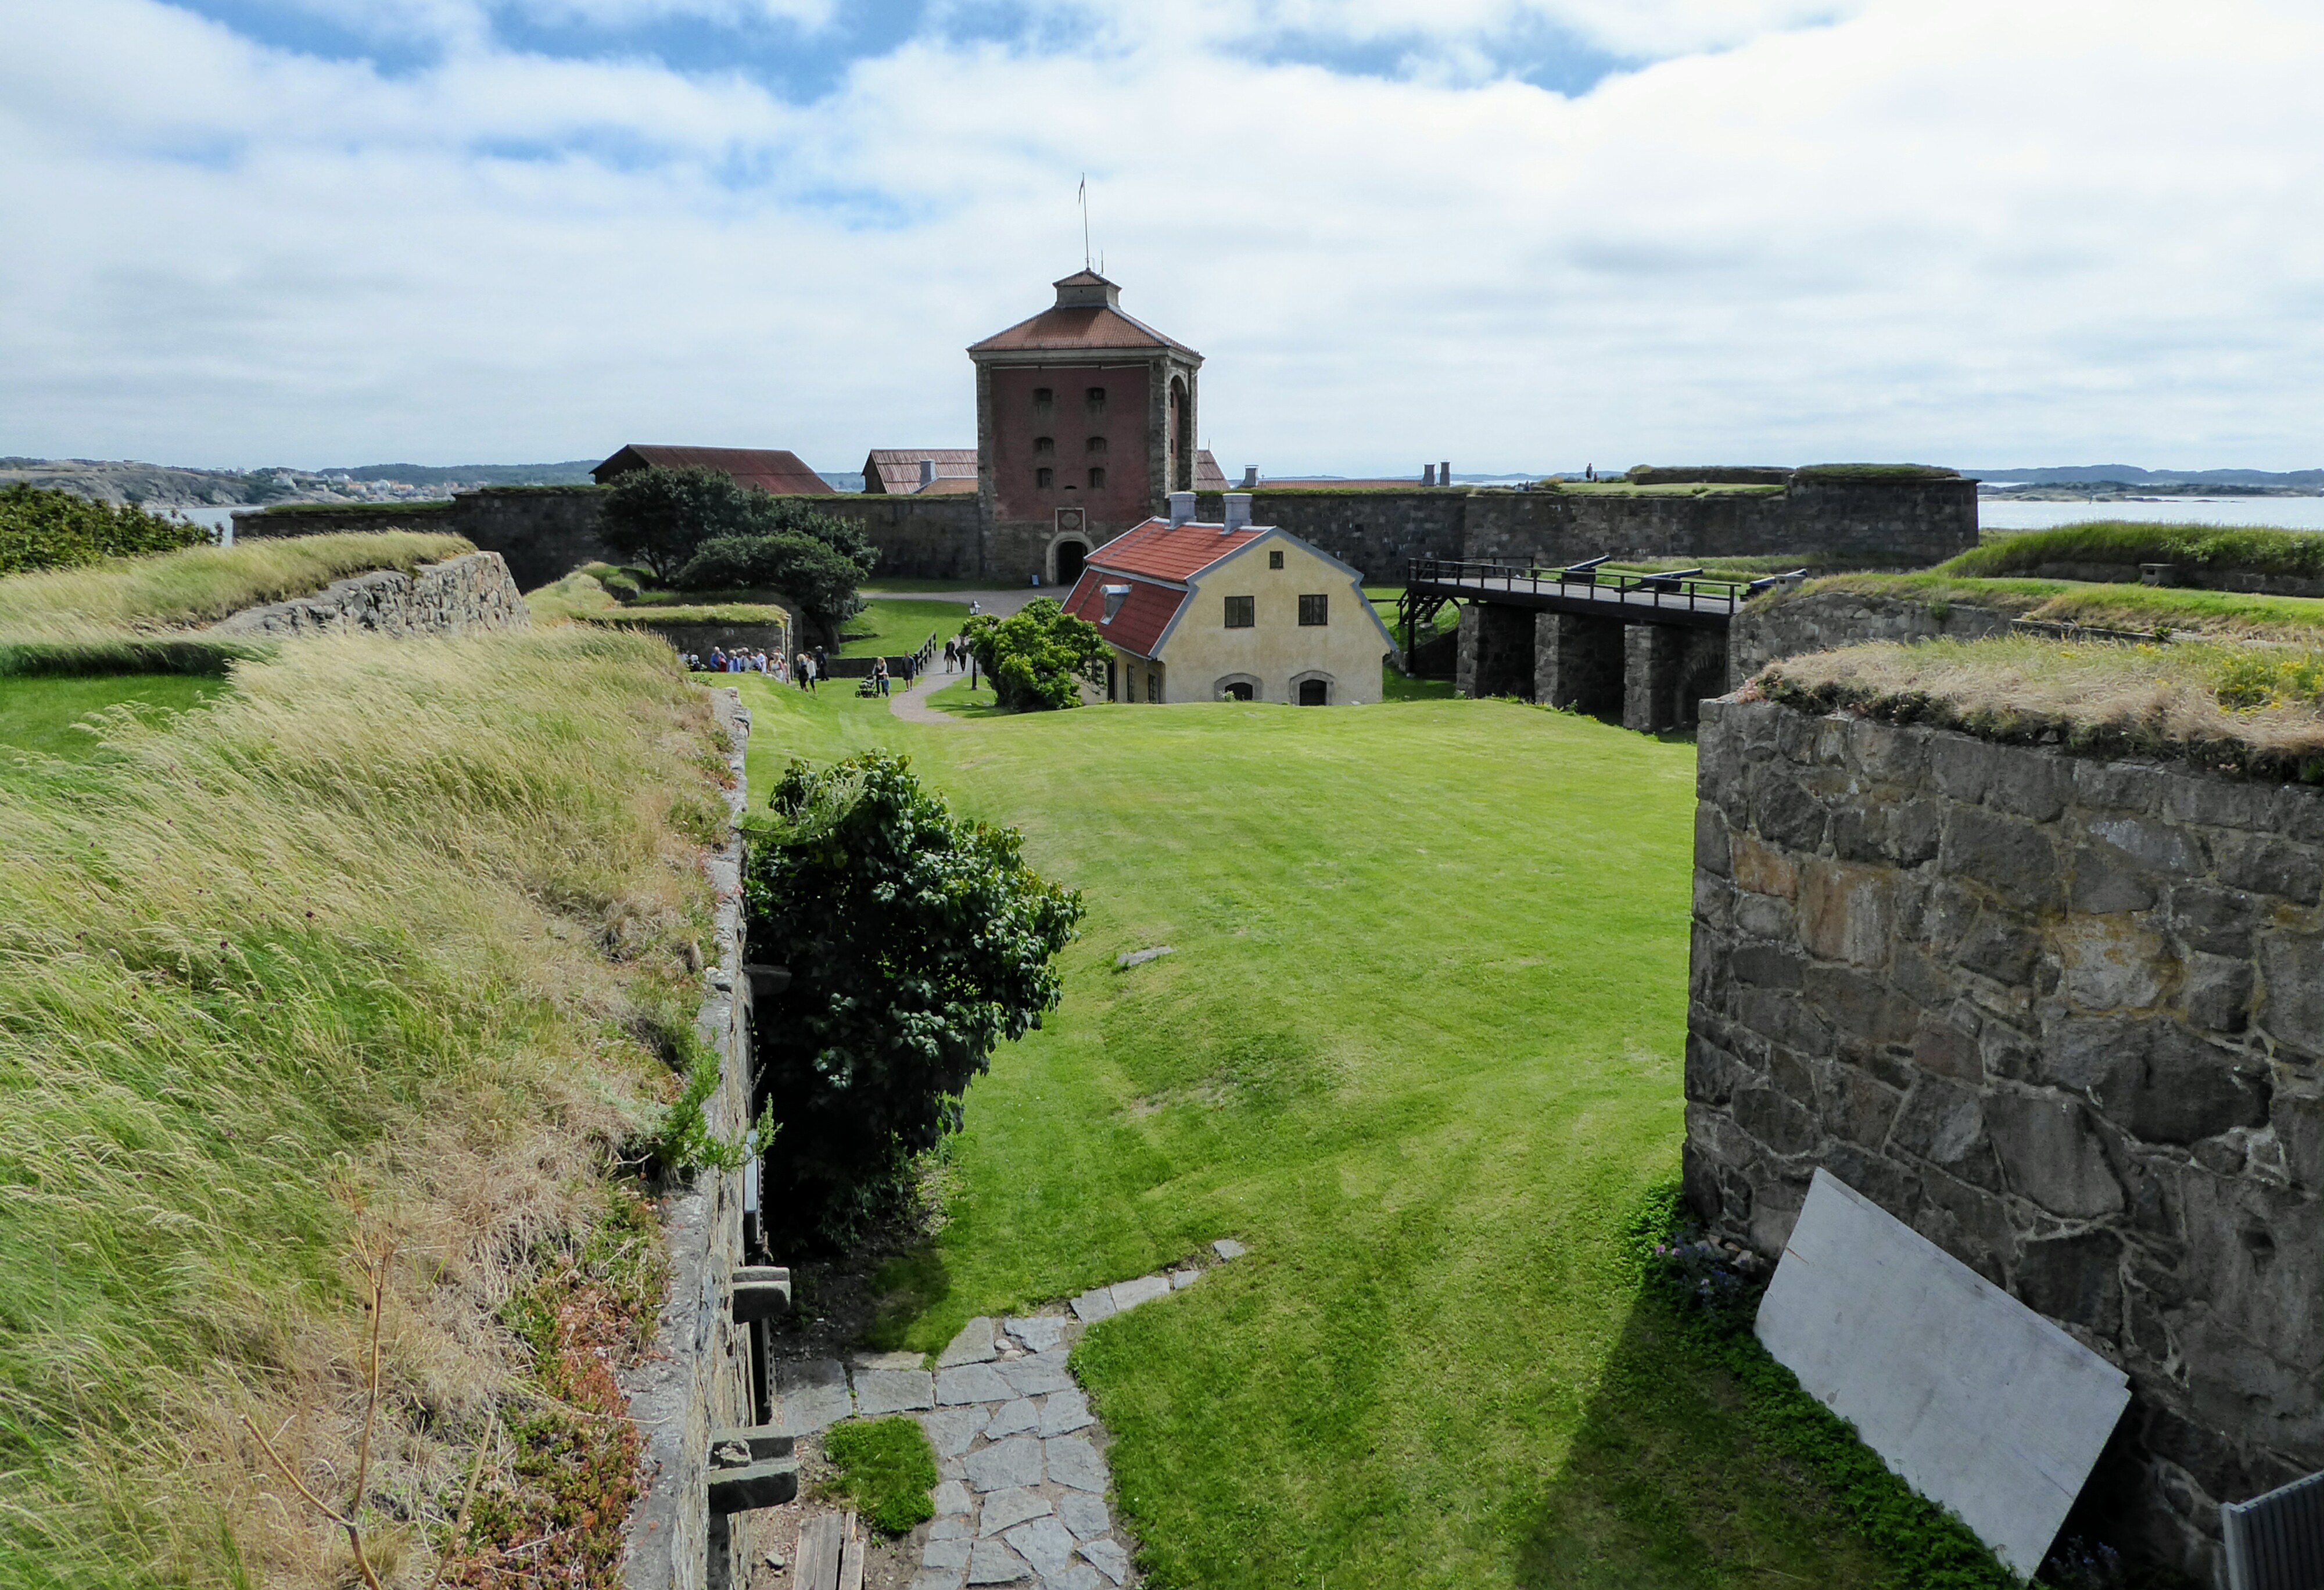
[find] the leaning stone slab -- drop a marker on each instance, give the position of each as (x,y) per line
(971,1383)
(1016,1461)
(1038,1375)
(1094,1305)
(974,1345)
(1065,1412)
(1109,1558)
(1974,1399)
(1075,1463)
(1227,1247)
(1129,1294)
(992,1563)
(1180,1280)
(953,1431)
(1084,1515)
(1005,1509)
(1012,1418)
(880,1392)
(813,1394)
(1045,1544)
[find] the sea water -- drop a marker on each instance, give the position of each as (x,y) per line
(2282,513)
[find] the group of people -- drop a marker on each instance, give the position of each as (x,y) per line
(722,661)
(808,669)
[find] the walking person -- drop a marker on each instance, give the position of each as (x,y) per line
(880,674)
(799,670)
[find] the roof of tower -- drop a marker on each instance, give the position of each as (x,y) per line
(1087,314)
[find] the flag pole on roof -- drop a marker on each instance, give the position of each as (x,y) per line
(1083,197)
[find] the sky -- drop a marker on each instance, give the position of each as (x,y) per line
(1518,234)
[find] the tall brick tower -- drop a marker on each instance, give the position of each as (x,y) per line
(1084,425)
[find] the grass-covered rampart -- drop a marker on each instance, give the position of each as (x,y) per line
(377,943)
(106,602)
(2149,609)
(2218,549)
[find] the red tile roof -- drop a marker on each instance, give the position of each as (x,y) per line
(1208,475)
(1144,614)
(767,468)
(896,470)
(1158,551)
(1090,326)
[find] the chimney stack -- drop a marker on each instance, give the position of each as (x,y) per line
(1238,510)
(1427,474)
(927,473)
(1444,473)
(1249,476)
(1182,508)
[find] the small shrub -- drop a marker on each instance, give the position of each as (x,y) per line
(42,529)
(1039,657)
(886,1469)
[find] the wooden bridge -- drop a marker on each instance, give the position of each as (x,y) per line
(1645,646)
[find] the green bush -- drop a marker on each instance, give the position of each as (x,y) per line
(1874,473)
(42,529)
(815,575)
(2218,549)
(1038,656)
(886,1469)
(661,518)
(916,942)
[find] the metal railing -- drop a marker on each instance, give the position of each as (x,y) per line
(1590,581)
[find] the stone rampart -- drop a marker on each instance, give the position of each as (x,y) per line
(2065,1018)
(457,597)
(1792,625)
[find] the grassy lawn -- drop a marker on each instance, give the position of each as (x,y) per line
(894,627)
(1419,1047)
(39,714)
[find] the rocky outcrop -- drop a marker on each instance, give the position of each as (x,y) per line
(456,597)
(2065,1018)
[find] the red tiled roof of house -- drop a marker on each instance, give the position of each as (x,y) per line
(1162,552)
(896,470)
(770,469)
(1138,624)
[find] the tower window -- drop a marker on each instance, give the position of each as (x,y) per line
(1275,560)
(1047,478)
(1043,397)
(1315,610)
(1096,401)
(1239,615)
(1097,479)
(1045,443)
(1096,445)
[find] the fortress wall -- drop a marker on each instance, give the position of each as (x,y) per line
(457,597)
(1378,532)
(2065,1018)
(919,538)
(1772,629)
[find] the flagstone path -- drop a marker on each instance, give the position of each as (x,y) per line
(1023,1497)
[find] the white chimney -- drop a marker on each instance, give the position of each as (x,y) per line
(1238,510)
(1249,476)
(1182,508)
(927,473)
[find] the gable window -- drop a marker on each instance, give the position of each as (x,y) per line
(1047,478)
(1096,401)
(1239,613)
(1097,479)
(1315,610)
(1044,445)
(1275,560)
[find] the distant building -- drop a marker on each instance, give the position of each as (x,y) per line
(765,468)
(1208,475)
(1234,611)
(919,472)
(1086,422)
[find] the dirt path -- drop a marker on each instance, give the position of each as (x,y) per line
(912,705)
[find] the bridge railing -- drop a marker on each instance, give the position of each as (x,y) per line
(1688,588)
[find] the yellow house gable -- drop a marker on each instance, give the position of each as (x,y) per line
(1280,620)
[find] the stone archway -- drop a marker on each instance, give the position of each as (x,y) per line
(1312,689)
(1067,558)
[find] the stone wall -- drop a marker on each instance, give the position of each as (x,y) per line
(542,532)
(2064,1017)
(928,537)
(698,1377)
(1795,624)
(1376,532)
(458,596)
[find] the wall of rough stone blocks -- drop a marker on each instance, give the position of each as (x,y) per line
(2062,1017)
(697,1378)
(459,596)
(1794,624)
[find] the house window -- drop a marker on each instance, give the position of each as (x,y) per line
(1096,445)
(1315,610)
(1239,615)
(1044,445)
(1097,479)
(1096,401)
(1110,666)
(1047,478)
(1314,692)
(1154,688)
(1275,560)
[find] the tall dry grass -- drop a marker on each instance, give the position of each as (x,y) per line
(201,585)
(375,944)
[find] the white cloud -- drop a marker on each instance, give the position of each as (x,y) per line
(1983,233)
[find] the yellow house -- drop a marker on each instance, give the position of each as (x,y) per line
(1195,611)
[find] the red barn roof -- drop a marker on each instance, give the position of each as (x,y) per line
(896,470)
(767,468)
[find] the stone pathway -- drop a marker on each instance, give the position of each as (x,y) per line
(912,705)
(1023,1493)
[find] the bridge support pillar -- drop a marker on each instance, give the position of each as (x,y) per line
(1577,662)
(1667,673)
(1496,650)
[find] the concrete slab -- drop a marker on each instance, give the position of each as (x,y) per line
(813,1393)
(1975,1399)
(974,1345)
(1129,1294)
(880,1392)
(971,1383)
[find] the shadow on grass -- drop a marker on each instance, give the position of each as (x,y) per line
(906,1286)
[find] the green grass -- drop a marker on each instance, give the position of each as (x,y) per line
(886,1470)
(199,585)
(2217,549)
(61,719)
(1419,1048)
(892,626)
(2143,609)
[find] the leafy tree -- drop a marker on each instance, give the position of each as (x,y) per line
(658,517)
(41,527)
(820,578)
(916,940)
(1038,656)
